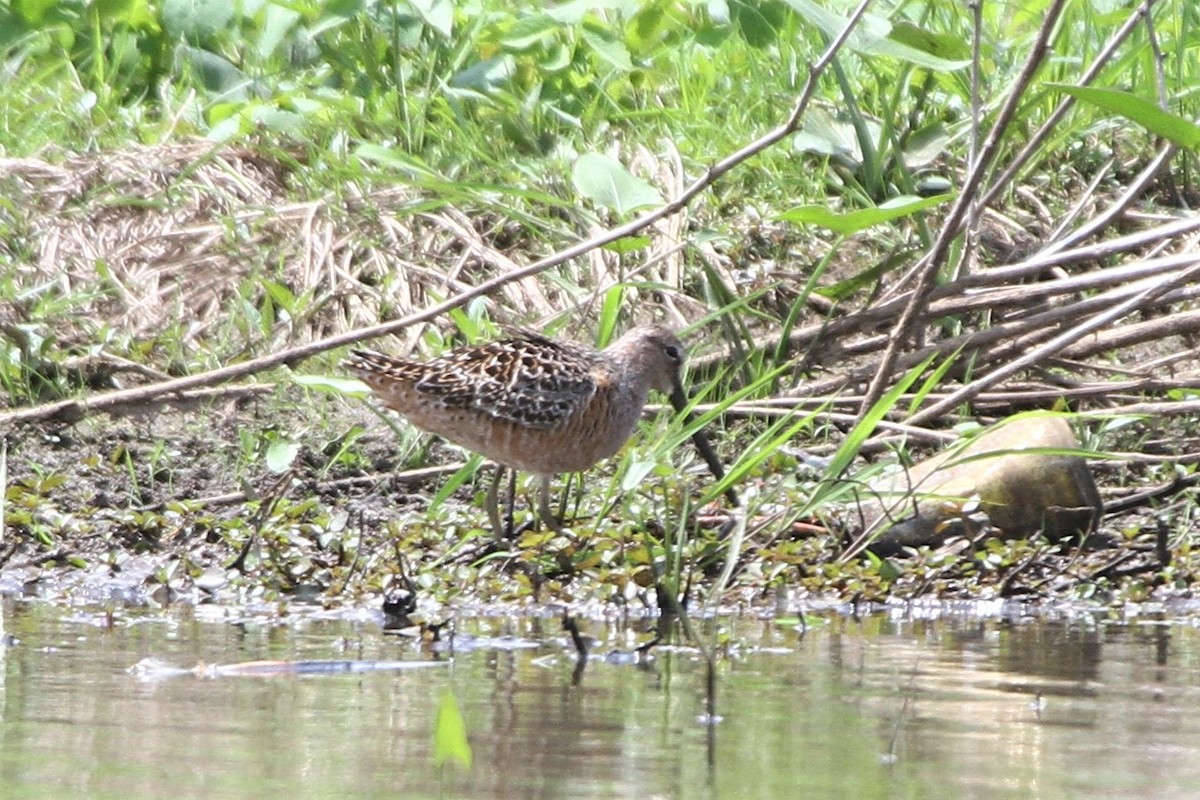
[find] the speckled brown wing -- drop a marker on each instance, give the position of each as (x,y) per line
(527,379)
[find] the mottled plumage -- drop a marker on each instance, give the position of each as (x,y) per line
(530,402)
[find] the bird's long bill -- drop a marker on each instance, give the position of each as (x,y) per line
(700,439)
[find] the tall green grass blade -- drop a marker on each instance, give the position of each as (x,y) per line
(932,381)
(849,222)
(764,446)
(849,448)
(610,313)
(332,384)
(464,474)
(1138,109)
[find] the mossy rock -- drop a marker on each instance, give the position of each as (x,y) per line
(992,480)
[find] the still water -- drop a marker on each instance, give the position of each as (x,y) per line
(912,704)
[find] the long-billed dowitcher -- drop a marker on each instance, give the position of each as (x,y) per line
(529,402)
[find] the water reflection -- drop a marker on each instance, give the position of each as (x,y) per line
(887,704)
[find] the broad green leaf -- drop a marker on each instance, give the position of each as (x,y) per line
(280,455)
(605,44)
(278,22)
(225,129)
(112,9)
(607,183)
(486,75)
(1140,110)
(941,45)
(755,27)
(853,221)
(571,13)
(450,741)
(637,472)
(555,58)
(874,35)
(438,14)
(281,295)
(196,20)
(925,145)
(33,12)
(134,13)
(217,73)
(826,135)
(528,32)
(646,27)
(276,120)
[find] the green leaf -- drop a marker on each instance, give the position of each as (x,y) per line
(637,472)
(755,27)
(529,32)
(941,45)
(647,26)
(276,120)
(825,135)
(334,385)
(464,474)
(280,455)
(925,145)
(195,20)
(607,183)
(627,244)
(281,295)
(277,24)
(850,446)
(874,36)
(606,45)
(1140,110)
(217,73)
(853,221)
(450,741)
(610,312)
(113,9)
(571,13)
(438,14)
(487,75)
(391,157)
(33,12)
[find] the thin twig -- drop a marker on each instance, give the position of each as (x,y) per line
(928,267)
(1038,139)
(1056,344)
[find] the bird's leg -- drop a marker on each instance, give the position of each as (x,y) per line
(493,504)
(509,525)
(544,510)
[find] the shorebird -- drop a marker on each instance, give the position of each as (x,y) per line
(529,402)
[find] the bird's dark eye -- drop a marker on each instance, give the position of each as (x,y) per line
(674,352)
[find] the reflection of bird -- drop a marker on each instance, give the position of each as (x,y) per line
(529,402)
